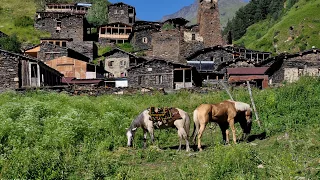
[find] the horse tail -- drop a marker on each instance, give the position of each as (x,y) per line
(195,125)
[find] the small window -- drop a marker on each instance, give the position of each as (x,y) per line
(193,37)
(51,42)
(110,63)
(34,70)
(300,72)
(57,43)
(64,44)
(160,79)
(103,31)
(145,40)
(43,24)
(222,59)
(121,63)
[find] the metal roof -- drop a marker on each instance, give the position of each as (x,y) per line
(247,71)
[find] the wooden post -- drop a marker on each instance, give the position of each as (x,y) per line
(253,105)
(226,88)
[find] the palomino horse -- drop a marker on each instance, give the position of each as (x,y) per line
(225,114)
(144,121)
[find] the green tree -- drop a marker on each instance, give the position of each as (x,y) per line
(98,13)
(10,43)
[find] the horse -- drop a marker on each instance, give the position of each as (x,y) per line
(144,121)
(225,114)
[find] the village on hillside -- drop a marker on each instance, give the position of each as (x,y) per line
(170,54)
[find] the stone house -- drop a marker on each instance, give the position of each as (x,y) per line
(290,67)
(115,33)
(50,50)
(212,62)
(66,26)
(163,74)
(141,37)
(18,71)
(121,12)
(117,62)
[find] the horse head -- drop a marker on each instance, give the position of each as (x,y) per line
(245,120)
(130,135)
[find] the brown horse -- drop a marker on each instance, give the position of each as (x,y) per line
(225,114)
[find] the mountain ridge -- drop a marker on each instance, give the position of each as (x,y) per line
(227,10)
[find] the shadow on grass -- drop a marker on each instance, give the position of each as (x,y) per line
(260,136)
(183,147)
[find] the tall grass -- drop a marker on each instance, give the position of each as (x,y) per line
(53,136)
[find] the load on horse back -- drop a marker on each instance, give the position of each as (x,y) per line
(160,118)
(225,114)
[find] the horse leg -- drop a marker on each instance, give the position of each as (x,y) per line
(201,130)
(145,133)
(233,129)
(183,134)
(225,133)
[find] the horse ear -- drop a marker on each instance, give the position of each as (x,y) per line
(134,129)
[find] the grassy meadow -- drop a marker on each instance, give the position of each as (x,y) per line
(47,135)
(276,36)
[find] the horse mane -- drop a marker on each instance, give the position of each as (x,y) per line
(241,106)
(137,121)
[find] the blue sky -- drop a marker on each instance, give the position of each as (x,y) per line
(154,10)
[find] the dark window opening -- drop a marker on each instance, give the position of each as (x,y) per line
(188,76)
(64,44)
(159,79)
(34,70)
(57,43)
(130,20)
(110,63)
(222,59)
(102,31)
(121,31)
(178,76)
(193,37)
(145,40)
(58,23)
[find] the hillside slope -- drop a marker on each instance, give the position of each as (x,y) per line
(227,11)
(297,30)
(13,10)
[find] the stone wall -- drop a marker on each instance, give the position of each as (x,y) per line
(9,72)
(119,13)
(88,48)
(157,74)
(72,26)
(142,39)
(209,23)
(117,63)
(49,51)
(291,68)
(166,44)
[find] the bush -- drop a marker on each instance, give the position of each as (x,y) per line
(23,21)
(10,43)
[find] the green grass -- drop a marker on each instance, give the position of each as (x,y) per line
(304,19)
(10,10)
(56,136)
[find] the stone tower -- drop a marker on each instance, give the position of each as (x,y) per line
(209,23)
